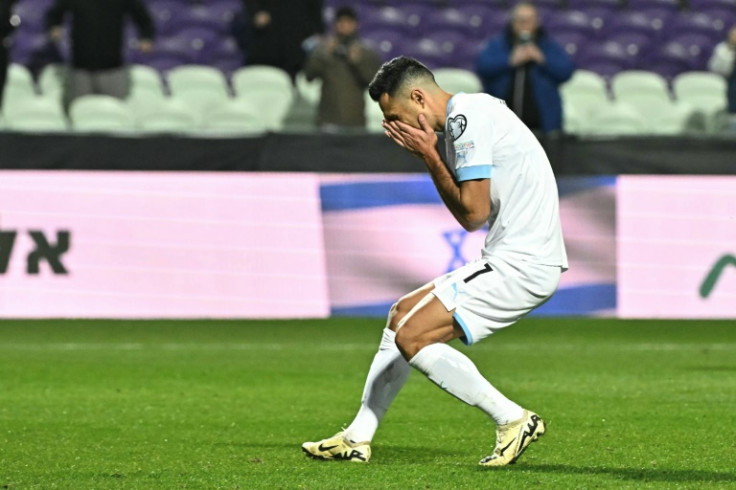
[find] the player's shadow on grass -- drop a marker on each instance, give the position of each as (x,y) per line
(638,474)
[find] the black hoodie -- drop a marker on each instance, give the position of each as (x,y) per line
(97,29)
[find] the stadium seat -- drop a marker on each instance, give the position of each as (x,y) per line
(584,94)
(254,76)
(431,52)
(485,19)
(607,58)
(100,113)
(701,5)
(573,122)
(672,119)
(697,49)
(573,21)
(610,5)
(18,84)
(705,92)
(456,80)
(384,16)
(37,114)
(225,55)
(191,77)
(669,5)
(637,45)
(616,119)
(145,79)
(386,42)
(238,117)
(373,116)
(52,79)
(698,23)
(168,116)
(636,85)
(200,86)
(272,104)
(572,42)
(644,23)
(308,91)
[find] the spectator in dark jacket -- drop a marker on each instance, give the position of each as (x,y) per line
(5,30)
(346,66)
(723,62)
(525,67)
(277,30)
(97,43)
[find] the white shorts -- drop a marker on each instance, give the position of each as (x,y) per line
(490,294)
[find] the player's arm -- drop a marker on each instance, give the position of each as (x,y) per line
(468,201)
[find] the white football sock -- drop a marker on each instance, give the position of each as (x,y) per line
(388,373)
(455,373)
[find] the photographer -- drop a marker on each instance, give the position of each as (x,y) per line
(723,62)
(346,66)
(525,67)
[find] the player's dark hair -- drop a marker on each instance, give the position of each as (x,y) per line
(394,74)
(346,12)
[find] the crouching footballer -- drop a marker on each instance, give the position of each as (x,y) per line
(496,174)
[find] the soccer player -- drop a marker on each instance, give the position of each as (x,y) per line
(496,174)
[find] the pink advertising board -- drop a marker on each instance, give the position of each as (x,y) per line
(677,247)
(161,245)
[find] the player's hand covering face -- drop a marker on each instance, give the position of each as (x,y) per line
(420,141)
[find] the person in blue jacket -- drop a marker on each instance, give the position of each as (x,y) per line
(525,67)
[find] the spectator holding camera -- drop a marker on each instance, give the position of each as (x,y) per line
(525,67)
(346,66)
(723,62)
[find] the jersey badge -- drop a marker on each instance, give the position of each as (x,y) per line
(457,125)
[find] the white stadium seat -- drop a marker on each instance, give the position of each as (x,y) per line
(456,80)
(36,114)
(100,113)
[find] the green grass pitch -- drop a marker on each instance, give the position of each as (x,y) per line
(227,404)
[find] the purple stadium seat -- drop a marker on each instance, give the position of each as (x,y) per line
(586,5)
(727,16)
(430,52)
(198,18)
(455,46)
(198,38)
(226,55)
(493,4)
(606,58)
(650,23)
(384,17)
(167,53)
(697,23)
(701,5)
(699,47)
(572,42)
(669,5)
(447,18)
(416,13)
(668,68)
(676,56)
(386,42)
(636,44)
(163,13)
(485,21)
(573,20)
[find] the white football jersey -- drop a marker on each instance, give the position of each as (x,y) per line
(485,140)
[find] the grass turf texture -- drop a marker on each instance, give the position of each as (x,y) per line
(210,404)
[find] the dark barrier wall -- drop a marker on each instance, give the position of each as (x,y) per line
(362,153)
